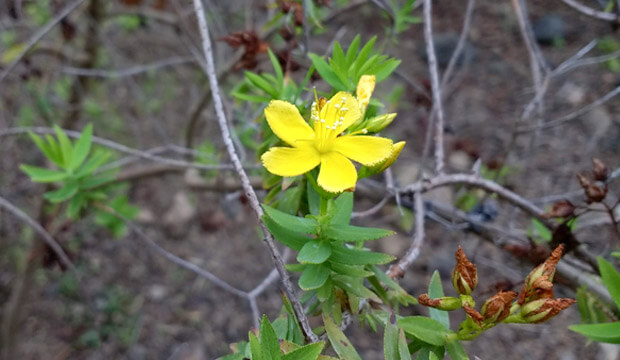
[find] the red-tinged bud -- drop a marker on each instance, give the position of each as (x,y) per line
(446,303)
(497,307)
(583,181)
(599,170)
(464,276)
(595,193)
(561,209)
(544,309)
(473,314)
(538,283)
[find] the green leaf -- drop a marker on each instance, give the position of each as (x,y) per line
(390,342)
(64,193)
(38,174)
(611,279)
(325,292)
(95,161)
(387,69)
(339,341)
(428,352)
(250,98)
(543,232)
(255,348)
(435,290)
(350,270)
(343,206)
(276,68)
(352,50)
(269,340)
(262,84)
(363,56)
(291,222)
(65,146)
(426,329)
(287,237)
(456,350)
(606,333)
(313,277)
(50,150)
(294,330)
(75,206)
(82,147)
(314,252)
(355,286)
(403,349)
(327,73)
(308,352)
(314,199)
(345,255)
(349,233)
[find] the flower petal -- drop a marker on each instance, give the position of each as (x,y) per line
(367,150)
(286,122)
(284,161)
(337,173)
(342,105)
(365,87)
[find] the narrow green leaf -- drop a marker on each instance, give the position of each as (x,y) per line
(269,339)
(308,352)
(349,256)
(456,350)
(55,148)
(428,352)
(250,98)
(611,279)
(313,277)
(276,68)
(65,146)
(349,233)
(294,330)
(47,149)
(352,51)
(355,286)
(313,199)
(262,84)
(75,206)
(38,174)
(314,252)
(403,349)
(287,237)
(606,332)
(327,73)
(93,162)
(291,222)
(387,69)
(255,348)
(326,290)
(64,193)
(390,341)
(435,290)
(82,147)
(339,341)
(426,329)
(341,211)
(363,56)
(350,270)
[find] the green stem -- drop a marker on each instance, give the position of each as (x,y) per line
(323,206)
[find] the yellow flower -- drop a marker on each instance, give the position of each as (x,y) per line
(323,145)
(365,88)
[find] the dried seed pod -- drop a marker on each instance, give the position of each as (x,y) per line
(561,209)
(464,276)
(542,310)
(599,170)
(497,307)
(538,283)
(446,303)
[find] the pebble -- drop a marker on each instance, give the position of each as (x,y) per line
(445,44)
(550,30)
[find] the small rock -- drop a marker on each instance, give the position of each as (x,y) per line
(179,215)
(445,44)
(460,161)
(596,124)
(157,292)
(145,216)
(550,30)
(573,94)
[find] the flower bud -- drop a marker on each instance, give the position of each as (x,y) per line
(446,303)
(595,193)
(378,123)
(473,314)
(497,307)
(464,276)
(544,309)
(561,209)
(538,283)
(365,88)
(366,171)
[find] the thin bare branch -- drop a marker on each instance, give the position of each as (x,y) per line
(460,46)
(39,35)
(437,99)
(601,15)
(130,71)
(413,252)
(49,239)
(245,181)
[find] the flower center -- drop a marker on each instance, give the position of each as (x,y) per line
(328,122)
